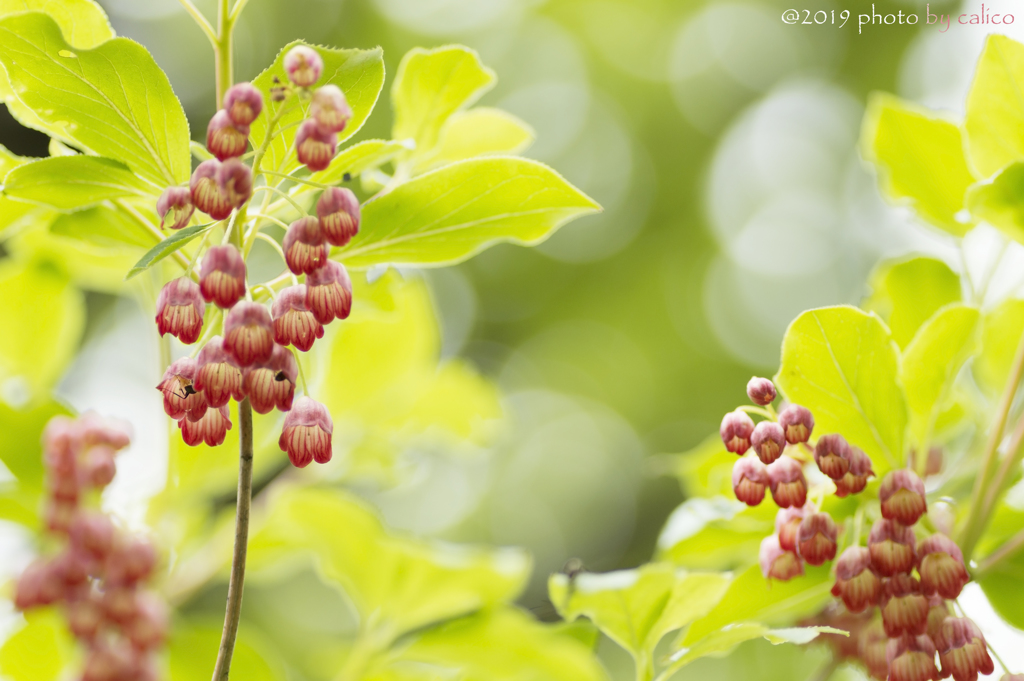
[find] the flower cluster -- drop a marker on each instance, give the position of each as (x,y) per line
(97,577)
(250,358)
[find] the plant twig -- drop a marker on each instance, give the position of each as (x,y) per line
(223,51)
(1007,550)
(198,17)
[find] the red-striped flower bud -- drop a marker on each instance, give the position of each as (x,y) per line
(294,324)
(108,661)
(74,567)
(871,650)
(902,496)
(303,65)
(338,210)
(749,480)
(64,486)
(180,310)
(856,479)
(856,583)
(212,428)
(85,616)
(148,626)
(736,431)
(329,292)
(207,194)
(59,514)
(133,559)
(38,585)
(94,429)
(832,454)
(816,538)
(305,248)
(789,488)
(787,525)
(177,386)
(938,611)
(768,441)
(248,333)
(224,138)
(776,562)
(329,108)
(904,607)
(272,383)
(235,180)
(243,103)
(962,649)
(761,391)
(92,534)
(892,548)
(175,207)
(306,435)
(911,658)
(315,147)
(61,442)
(223,276)
(99,466)
(941,566)
(218,378)
(797,422)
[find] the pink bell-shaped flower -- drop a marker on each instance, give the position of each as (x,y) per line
(306,435)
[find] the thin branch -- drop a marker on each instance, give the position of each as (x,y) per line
(285,195)
(237,9)
(273,244)
(198,17)
(157,234)
(300,180)
(1007,550)
(278,221)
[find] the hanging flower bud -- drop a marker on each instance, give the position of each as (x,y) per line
(768,441)
(108,662)
(776,562)
(99,466)
(305,248)
(306,435)
(832,454)
(856,479)
(224,138)
(175,207)
(38,585)
(180,310)
(329,292)
(856,583)
(212,428)
(294,324)
(303,65)
(816,538)
(94,429)
(761,391)
(92,534)
(736,430)
(904,607)
(797,422)
(243,103)
(218,378)
(178,388)
(911,658)
(892,548)
(902,496)
(207,194)
(223,276)
(941,566)
(871,650)
(749,480)
(85,617)
(148,627)
(789,488)
(938,611)
(315,147)
(235,180)
(132,560)
(338,210)
(787,525)
(272,383)
(962,649)
(248,333)
(59,514)
(329,108)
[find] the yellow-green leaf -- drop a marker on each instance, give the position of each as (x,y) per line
(1001,333)
(906,294)
(478,132)
(995,111)
(1001,201)
(40,650)
(74,182)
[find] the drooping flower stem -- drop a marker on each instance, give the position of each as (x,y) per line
(223,55)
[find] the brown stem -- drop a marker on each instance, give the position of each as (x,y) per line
(234,607)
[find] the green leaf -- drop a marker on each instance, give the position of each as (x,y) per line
(705,470)
(167,247)
(83,23)
(719,533)
(1001,332)
(723,641)
(359,74)
(453,213)
(9,161)
(104,227)
(477,132)
(192,653)
(841,363)
(40,650)
(430,86)
(920,160)
(1001,201)
(636,608)
(112,100)
(73,182)
(931,364)
(906,294)
(359,158)
(1002,588)
(995,116)
(22,452)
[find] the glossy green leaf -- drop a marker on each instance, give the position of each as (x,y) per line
(1002,587)
(359,158)
(478,132)
(113,100)
(1001,333)
(359,74)
(167,247)
(920,161)
(9,161)
(931,364)
(192,653)
(103,227)
(40,650)
(906,294)
(454,212)
(995,118)
(841,363)
(430,86)
(719,533)
(74,182)
(705,470)
(22,452)
(1001,201)
(724,640)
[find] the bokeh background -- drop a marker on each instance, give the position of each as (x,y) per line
(723,144)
